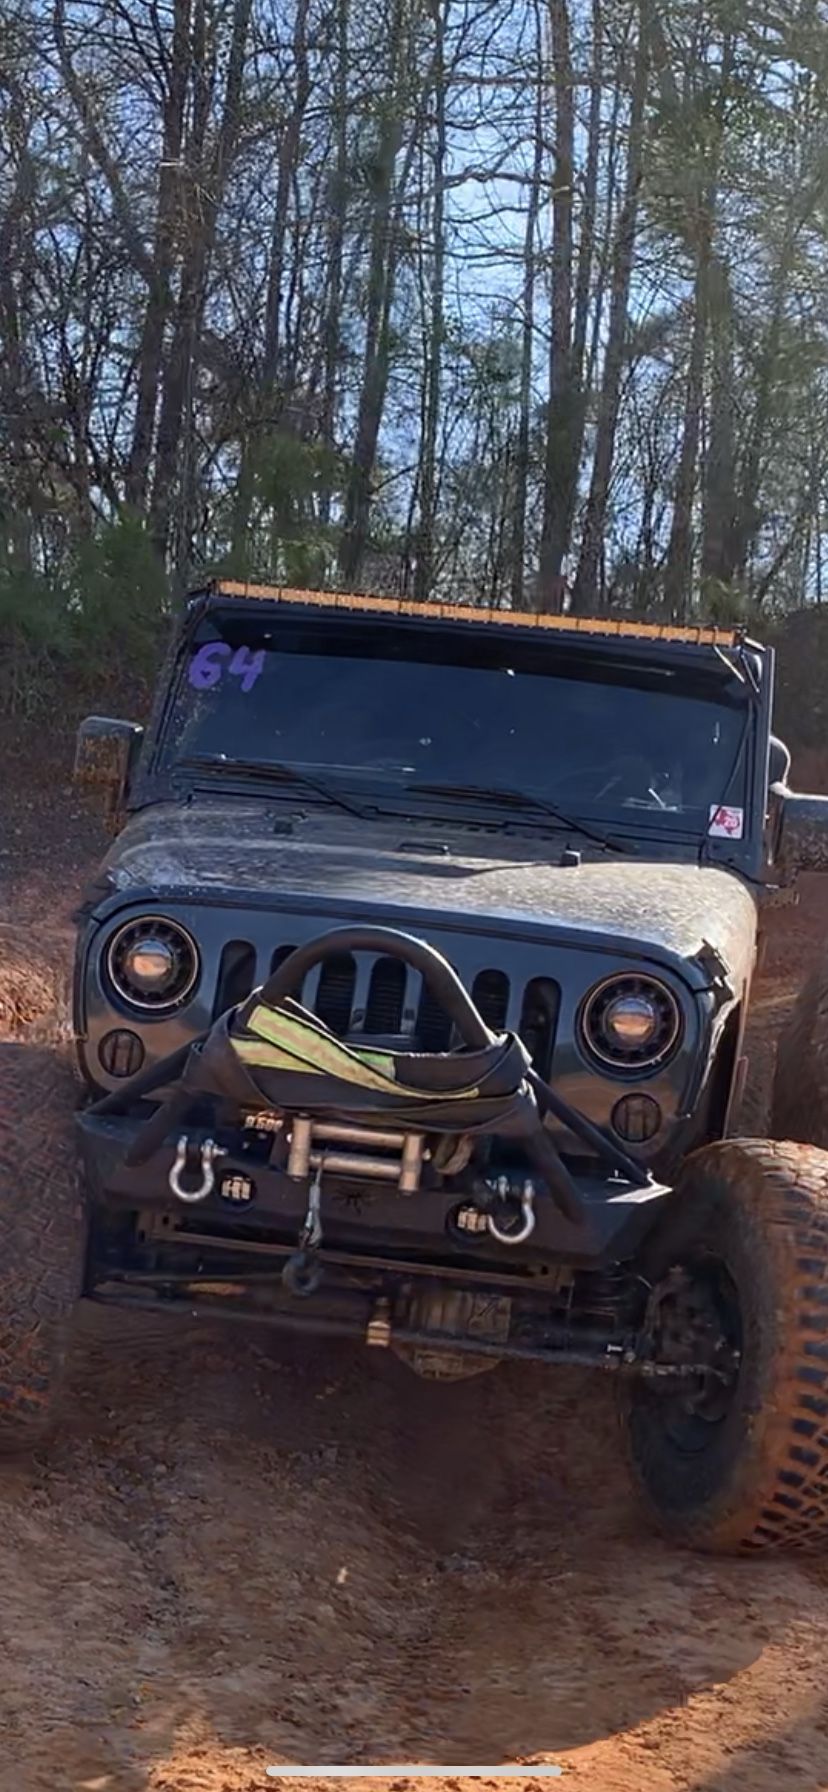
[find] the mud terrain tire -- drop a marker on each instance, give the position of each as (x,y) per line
(799,1109)
(42,1237)
(754,1475)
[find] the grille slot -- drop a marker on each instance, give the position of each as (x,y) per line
(539,1020)
(237,971)
(384,1009)
(433,1033)
(490,993)
(335,994)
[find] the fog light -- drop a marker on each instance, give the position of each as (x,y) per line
(636,1118)
(121,1053)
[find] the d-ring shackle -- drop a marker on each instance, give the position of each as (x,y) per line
(527,1211)
(209,1152)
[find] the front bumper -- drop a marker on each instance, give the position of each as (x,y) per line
(371,1220)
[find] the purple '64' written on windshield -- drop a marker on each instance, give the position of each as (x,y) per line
(216,659)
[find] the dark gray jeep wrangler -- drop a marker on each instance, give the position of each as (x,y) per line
(409,1005)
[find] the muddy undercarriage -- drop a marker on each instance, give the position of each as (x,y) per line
(444,1321)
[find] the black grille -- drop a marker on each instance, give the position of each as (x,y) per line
(339,991)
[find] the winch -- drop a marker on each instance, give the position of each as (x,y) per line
(356,1151)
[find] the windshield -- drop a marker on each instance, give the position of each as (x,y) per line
(373,709)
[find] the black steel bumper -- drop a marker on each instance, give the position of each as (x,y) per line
(376,1220)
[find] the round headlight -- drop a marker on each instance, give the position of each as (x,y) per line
(630,1023)
(152,963)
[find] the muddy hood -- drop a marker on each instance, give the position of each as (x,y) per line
(401,872)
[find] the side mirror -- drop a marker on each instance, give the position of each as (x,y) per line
(105,756)
(802,841)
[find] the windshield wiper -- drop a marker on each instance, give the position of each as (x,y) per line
(272,771)
(522,799)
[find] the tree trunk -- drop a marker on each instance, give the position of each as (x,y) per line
(267,404)
(527,344)
(678,570)
(747,509)
(719,510)
(337,217)
(285,175)
(150,352)
(176,408)
(379,298)
(574,407)
(15,381)
(561,411)
(586,235)
(679,563)
(586,256)
(424,564)
(584,592)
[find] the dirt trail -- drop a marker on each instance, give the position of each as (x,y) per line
(240,1551)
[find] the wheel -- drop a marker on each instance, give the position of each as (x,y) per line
(799,1109)
(42,1237)
(739,1277)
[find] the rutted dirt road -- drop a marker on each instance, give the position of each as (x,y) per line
(240,1551)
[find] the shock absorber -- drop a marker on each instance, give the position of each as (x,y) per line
(606,1295)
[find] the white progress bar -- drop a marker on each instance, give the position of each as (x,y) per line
(417,1770)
